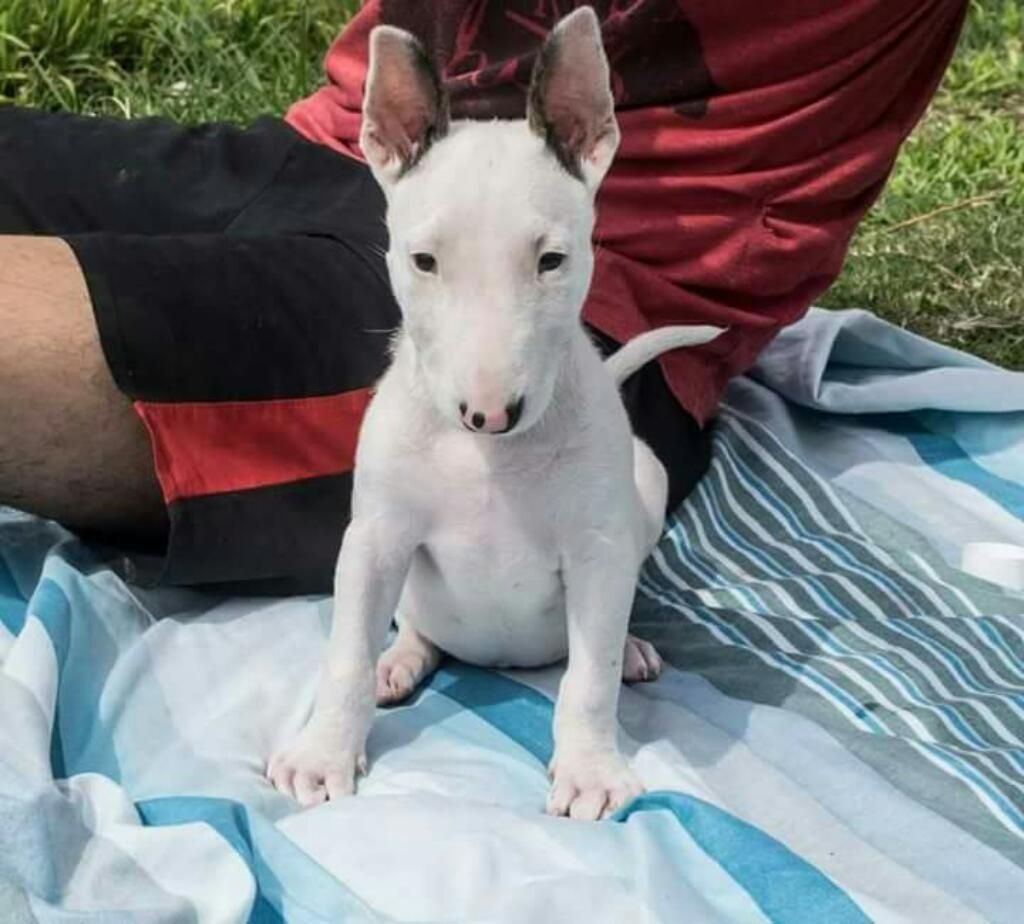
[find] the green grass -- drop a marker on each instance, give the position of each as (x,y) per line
(942,252)
(193,60)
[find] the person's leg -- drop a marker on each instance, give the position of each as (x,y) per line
(248,348)
(71,447)
(69,174)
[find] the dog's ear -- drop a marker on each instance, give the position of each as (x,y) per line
(405,108)
(570,103)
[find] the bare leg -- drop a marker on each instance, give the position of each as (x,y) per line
(71,447)
(407,663)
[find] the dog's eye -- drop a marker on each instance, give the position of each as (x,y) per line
(425,262)
(550,261)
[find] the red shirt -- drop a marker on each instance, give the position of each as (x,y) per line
(755,135)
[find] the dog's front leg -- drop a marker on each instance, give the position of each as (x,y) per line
(590,777)
(329,753)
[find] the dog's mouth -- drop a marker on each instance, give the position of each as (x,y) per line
(508,429)
(514,413)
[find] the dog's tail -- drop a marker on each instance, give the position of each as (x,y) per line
(641,350)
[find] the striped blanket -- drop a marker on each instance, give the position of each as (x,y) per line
(838,737)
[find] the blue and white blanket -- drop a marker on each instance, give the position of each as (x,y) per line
(839,736)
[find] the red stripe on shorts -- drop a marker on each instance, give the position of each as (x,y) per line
(212,447)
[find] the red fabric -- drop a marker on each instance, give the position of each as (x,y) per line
(755,136)
(207,448)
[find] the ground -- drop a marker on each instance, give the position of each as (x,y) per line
(942,253)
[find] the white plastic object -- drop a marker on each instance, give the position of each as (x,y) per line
(998,562)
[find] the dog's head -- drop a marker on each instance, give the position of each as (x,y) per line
(490,223)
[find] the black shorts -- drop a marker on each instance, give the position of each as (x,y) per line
(242,301)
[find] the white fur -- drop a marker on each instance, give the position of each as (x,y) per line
(641,350)
(508,550)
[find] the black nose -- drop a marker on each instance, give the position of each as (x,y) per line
(492,421)
(514,412)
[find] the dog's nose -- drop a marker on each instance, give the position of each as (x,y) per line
(484,420)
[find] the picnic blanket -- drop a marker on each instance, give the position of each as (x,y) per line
(838,735)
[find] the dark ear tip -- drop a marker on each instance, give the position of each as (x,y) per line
(389,43)
(583,20)
(384,38)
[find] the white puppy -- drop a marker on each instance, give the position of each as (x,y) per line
(501,507)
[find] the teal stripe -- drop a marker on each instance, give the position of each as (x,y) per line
(516,710)
(832,642)
(802,672)
(981,781)
(946,456)
(838,554)
(770,567)
(834,550)
(12,604)
(50,606)
(786,888)
(877,566)
(702,502)
(996,637)
(290,885)
(806,531)
(799,670)
(763,500)
(286,878)
(908,686)
(81,739)
(799,535)
(904,679)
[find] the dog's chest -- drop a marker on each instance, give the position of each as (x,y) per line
(485,583)
(499,509)
(499,525)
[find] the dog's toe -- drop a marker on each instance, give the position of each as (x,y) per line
(309,788)
(640,661)
(591,785)
(315,768)
(403,667)
(397,679)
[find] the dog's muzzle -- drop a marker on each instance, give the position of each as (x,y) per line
(495,423)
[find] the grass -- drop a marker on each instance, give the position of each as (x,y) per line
(193,60)
(942,253)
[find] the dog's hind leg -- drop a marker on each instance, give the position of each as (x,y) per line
(407,663)
(641,661)
(652,486)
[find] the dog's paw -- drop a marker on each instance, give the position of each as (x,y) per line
(404,666)
(640,661)
(397,679)
(315,767)
(589,785)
